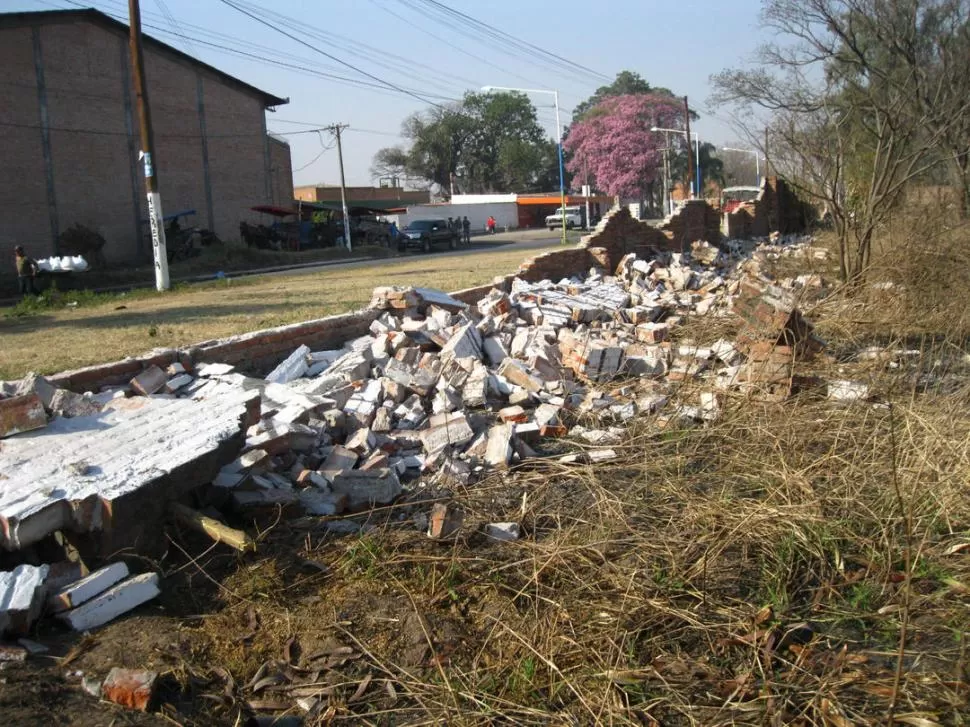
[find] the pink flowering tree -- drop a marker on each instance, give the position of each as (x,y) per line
(613,143)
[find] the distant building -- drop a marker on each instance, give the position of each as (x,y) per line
(70,139)
(382,197)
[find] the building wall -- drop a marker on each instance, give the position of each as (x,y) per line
(281,173)
(23,187)
(75,74)
(505,213)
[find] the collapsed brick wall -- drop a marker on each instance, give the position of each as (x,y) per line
(616,235)
(255,352)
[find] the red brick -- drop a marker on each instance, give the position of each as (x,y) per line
(132,688)
(21,414)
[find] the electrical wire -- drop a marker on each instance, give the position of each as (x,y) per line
(448,43)
(480,31)
(323,150)
(231,50)
(312,47)
(362,50)
(176,28)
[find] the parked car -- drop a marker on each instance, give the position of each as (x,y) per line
(425,234)
(574,218)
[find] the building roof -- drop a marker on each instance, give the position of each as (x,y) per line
(10,20)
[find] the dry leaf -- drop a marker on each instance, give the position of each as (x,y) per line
(763,615)
(957,548)
(916,720)
(361,688)
(879,690)
(833,715)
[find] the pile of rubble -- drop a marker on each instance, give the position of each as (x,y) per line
(439,391)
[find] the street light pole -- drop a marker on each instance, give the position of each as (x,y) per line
(562,176)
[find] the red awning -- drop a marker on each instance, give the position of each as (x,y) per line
(269,209)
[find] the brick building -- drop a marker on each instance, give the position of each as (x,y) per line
(70,140)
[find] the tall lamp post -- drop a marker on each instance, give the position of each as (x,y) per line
(757,159)
(696,191)
(562,178)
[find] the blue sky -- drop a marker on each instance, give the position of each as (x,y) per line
(673,44)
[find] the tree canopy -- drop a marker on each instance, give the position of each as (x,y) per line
(862,98)
(489,142)
(614,144)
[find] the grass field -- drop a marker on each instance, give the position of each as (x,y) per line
(108,327)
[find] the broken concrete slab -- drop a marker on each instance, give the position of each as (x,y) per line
(87,588)
(465,343)
(21,597)
(35,384)
(498,452)
(112,603)
(519,374)
(505,532)
(66,403)
(114,471)
(23,413)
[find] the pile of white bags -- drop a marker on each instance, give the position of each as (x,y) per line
(76,264)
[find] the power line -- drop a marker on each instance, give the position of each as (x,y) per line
(459,20)
(244,54)
(356,47)
(323,150)
(328,55)
(176,28)
(448,43)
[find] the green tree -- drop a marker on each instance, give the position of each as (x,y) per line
(489,142)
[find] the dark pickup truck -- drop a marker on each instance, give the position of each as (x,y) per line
(425,234)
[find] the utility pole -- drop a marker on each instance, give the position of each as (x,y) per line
(147,155)
(690,162)
(336,129)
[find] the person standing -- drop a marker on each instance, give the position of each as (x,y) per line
(466,230)
(26,271)
(490,225)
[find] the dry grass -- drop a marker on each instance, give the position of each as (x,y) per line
(129,325)
(749,572)
(803,563)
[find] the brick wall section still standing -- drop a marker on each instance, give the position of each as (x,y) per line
(776,209)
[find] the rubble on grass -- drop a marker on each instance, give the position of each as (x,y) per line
(435,382)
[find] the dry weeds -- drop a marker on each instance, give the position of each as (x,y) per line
(787,564)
